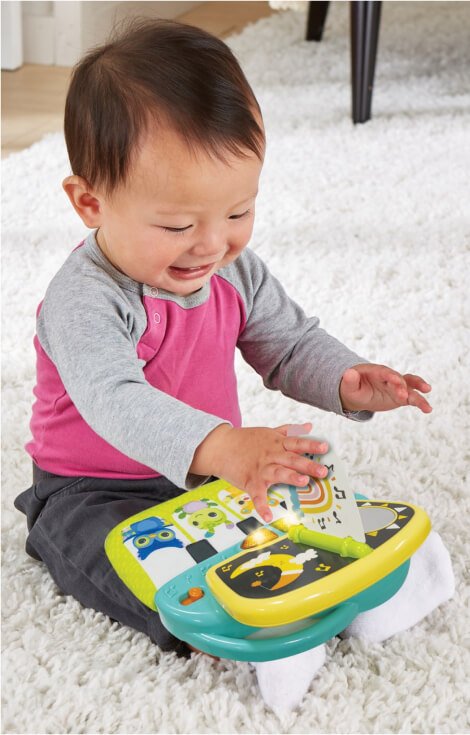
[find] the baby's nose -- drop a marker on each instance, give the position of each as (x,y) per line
(210,243)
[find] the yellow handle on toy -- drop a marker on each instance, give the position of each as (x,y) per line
(342,546)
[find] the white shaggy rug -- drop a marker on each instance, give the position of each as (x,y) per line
(368,227)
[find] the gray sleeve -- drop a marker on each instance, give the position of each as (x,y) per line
(87,328)
(288,349)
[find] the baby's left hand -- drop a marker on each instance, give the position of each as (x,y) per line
(368,387)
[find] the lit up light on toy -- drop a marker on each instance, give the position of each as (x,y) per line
(342,546)
(284,523)
(258,537)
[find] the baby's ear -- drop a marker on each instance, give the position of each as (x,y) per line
(84,200)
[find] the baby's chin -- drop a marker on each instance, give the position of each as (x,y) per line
(180,286)
(184,284)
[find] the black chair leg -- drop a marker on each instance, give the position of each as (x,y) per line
(317,12)
(365,23)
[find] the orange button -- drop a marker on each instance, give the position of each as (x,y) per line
(194,594)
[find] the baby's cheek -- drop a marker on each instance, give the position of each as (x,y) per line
(234,251)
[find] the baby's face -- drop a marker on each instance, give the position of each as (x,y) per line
(179,218)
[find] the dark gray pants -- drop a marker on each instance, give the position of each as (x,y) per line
(68,520)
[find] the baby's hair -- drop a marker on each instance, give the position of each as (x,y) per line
(157,73)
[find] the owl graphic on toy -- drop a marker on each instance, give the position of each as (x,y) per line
(150,534)
(233,586)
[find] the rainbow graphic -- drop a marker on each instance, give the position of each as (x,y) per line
(316,497)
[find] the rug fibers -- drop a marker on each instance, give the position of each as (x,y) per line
(367,227)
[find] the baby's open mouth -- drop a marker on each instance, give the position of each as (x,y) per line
(187,273)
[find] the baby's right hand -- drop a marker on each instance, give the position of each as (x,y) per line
(253,459)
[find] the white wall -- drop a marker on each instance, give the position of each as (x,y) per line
(12,36)
(99,17)
(57,33)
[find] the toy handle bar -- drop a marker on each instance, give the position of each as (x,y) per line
(261,649)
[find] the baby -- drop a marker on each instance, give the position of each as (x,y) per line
(136,395)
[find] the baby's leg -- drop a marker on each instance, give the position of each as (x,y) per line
(284,682)
(429,583)
(69,519)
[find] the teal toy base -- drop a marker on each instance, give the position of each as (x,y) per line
(319,628)
(213,631)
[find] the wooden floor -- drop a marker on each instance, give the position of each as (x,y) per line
(33,97)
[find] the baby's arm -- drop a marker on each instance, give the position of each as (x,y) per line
(290,351)
(294,355)
(89,328)
(253,459)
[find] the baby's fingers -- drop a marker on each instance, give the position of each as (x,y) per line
(416,399)
(414,381)
(294,429)
(297,471)
(304,445)
(259,497)
(303,466)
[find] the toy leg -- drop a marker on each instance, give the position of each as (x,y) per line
(429,583)
(284,682)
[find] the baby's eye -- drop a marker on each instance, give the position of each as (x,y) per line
(176,229)
(239,216)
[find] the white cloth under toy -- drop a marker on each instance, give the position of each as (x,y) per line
(429,583)
(284,682)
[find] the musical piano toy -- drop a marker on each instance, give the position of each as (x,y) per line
(230,585)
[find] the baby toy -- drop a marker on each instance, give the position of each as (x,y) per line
(232,586)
